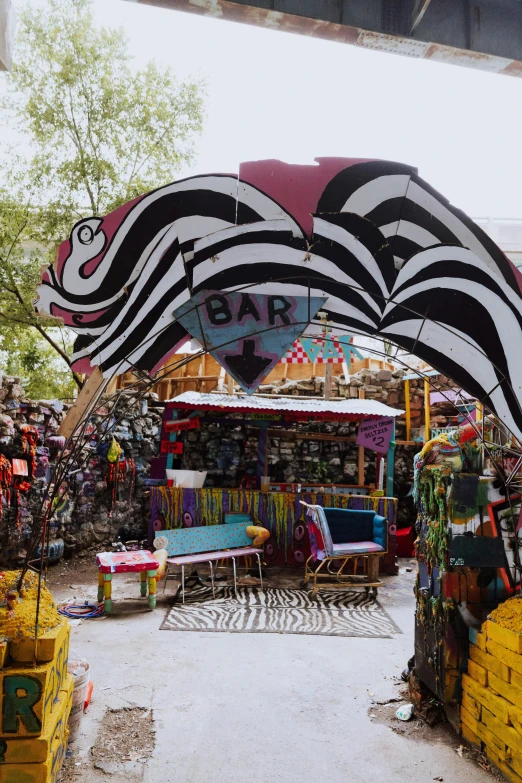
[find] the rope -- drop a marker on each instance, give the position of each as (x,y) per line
(84,611)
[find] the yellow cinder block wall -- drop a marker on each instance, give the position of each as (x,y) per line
(491,706)
(35,704)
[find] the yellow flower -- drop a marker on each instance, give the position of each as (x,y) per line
(20,623)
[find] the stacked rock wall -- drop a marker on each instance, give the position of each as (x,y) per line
(92,510)
(102,510)
(21,494)
(229,450)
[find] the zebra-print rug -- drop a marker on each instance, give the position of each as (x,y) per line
(274,610)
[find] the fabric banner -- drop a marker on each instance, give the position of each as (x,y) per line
(321,350)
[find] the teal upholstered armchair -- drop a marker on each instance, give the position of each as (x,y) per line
(338,536)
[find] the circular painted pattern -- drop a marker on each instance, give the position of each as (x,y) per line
(299,532)
(270,551)
(187,519)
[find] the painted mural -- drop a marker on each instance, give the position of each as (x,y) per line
(392,257)
(279,512)
(468,551)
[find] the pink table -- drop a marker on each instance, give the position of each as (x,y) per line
(110,563)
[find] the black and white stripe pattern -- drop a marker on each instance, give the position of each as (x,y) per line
(281,610)
(455,301)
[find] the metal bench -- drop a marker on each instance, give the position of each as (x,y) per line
(208,544)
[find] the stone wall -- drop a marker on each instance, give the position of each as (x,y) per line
(101,509)
(227,449)
(93,508)
(93,511)
(21,494)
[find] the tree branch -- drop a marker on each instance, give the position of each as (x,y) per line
(79,147)
(58,350)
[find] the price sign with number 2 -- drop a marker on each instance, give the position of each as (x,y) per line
(375,434)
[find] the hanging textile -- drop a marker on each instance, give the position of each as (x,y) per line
(6,479)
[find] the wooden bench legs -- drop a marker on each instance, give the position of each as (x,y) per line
(328,573)
(373,568)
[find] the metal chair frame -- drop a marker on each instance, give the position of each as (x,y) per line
(223,556)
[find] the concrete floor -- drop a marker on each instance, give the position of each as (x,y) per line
(254,707)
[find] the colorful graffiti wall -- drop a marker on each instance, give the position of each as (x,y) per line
(280,512)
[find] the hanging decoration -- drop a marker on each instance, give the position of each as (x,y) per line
(6,480)
(114,471)
(30,437)
(322,350)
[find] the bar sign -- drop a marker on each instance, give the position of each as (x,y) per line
(176,425)
(171,447)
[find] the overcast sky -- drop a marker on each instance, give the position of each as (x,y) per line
(277,95)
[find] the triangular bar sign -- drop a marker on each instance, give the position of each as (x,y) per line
(247,333)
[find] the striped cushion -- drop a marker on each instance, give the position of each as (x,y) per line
(357,548)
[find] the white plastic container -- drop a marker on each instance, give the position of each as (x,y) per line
(191,479)
(79,668)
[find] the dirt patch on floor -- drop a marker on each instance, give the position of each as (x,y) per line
(125,741)
(126,737)
(417,729)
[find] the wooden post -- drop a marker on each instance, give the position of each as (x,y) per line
(390,465)
(172,437)
(230,384)
(94,384)
(408,409)
(427,413)
(328,381)
(373,569)
(201,373)
(360,453)
(183,373)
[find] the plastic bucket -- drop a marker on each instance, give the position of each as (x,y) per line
(79,668)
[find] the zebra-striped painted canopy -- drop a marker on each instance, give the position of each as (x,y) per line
(393,257)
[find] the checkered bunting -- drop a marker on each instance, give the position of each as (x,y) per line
(296,354)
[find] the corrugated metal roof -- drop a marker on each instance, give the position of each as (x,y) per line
(341,408)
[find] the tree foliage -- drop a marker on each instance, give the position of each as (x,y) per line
(93,132)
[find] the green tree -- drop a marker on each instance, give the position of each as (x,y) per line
(97,131)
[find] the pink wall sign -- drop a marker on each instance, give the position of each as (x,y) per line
(375,434)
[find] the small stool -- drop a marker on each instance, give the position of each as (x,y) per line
(141,562)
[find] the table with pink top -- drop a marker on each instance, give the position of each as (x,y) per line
(110,563)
